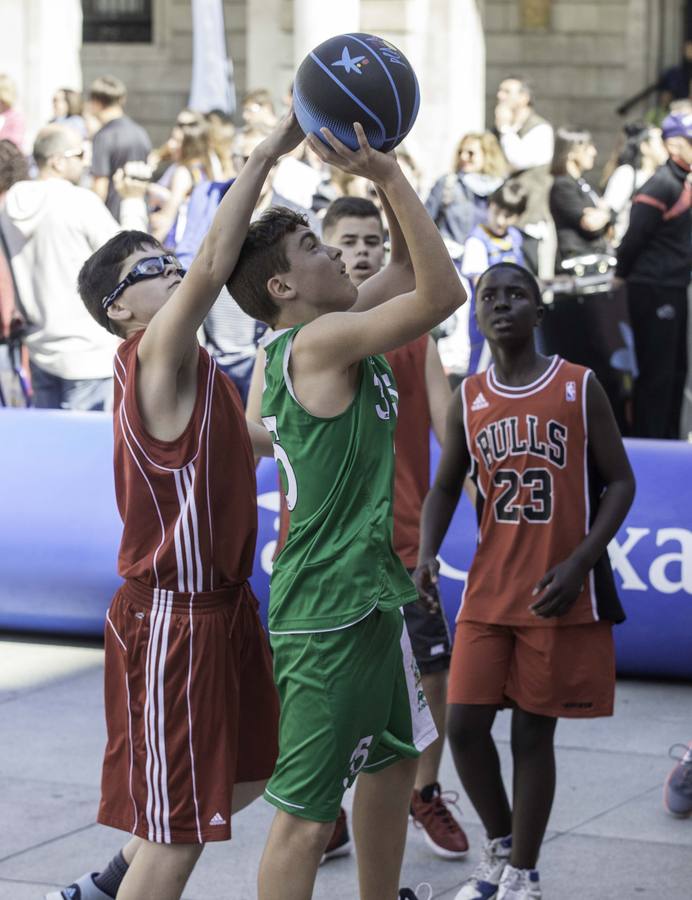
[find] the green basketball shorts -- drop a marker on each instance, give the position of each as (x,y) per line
(351,701)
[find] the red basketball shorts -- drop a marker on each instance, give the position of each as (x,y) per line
(566,671)
(191,710)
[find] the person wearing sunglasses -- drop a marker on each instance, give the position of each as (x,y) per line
(50,226)
(204,716)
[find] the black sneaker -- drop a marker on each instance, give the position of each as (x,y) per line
(408,894)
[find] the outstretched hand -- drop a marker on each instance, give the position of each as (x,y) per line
(284,138)
(365,161)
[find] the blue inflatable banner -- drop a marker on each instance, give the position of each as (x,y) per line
(59,534)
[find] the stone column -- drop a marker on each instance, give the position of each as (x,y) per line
(446,46)
(315,20)
(265,41)
(39,48)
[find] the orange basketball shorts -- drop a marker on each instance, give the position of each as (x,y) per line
(566,671)
(191,710)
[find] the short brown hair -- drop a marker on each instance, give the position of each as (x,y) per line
(350,207)
(107,90)
(101,272)
(262,256)
(510,196)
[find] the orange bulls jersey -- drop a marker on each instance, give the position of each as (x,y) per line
(189,506)
(536,495)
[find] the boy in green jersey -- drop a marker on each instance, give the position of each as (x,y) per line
(351,699)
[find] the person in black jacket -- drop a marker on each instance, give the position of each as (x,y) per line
(654,258)
(581,217)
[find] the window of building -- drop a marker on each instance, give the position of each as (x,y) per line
(534,15)
(116,21)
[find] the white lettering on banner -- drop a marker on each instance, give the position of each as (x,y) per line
(447,571)
(657,573)
(271,502)
(618,559)
(661,575)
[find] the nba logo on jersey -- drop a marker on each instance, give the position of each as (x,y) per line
(571,390)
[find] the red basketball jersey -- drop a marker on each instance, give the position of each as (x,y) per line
(189,506)
(529,451)
(412,446)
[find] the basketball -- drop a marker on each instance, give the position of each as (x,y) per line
(357,78)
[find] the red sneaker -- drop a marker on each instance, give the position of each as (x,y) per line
(443,834)
(340,841)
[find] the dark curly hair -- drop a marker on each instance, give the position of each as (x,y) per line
(13,165)
(262,256)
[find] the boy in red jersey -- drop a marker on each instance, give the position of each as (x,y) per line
(534,628)
(191,707)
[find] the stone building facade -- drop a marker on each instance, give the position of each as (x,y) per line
(584,56)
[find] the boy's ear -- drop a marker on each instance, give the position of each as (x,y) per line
(279,289)
(540,309)
(118,313)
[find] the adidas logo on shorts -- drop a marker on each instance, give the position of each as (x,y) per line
(479,403)
(217,819)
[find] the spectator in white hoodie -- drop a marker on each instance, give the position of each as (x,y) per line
(51,226)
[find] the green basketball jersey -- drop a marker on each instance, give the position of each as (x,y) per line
(337,564)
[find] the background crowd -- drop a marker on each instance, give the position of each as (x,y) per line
(613,254)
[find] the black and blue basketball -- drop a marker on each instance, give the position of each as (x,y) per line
(357,78)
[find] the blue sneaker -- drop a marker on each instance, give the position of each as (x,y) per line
(485,881)
(677,791)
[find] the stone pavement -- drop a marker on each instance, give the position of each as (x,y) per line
(608,837)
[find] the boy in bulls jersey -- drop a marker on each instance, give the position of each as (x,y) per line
(534,627)
(352,706)
(191,708)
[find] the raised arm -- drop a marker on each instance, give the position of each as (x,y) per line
(259,436)
(171,333)
(397,276)
(337,340)
(438,391)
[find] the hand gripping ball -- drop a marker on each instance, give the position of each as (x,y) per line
(357,78)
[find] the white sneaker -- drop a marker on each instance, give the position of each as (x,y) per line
(519,884)
(484,883)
